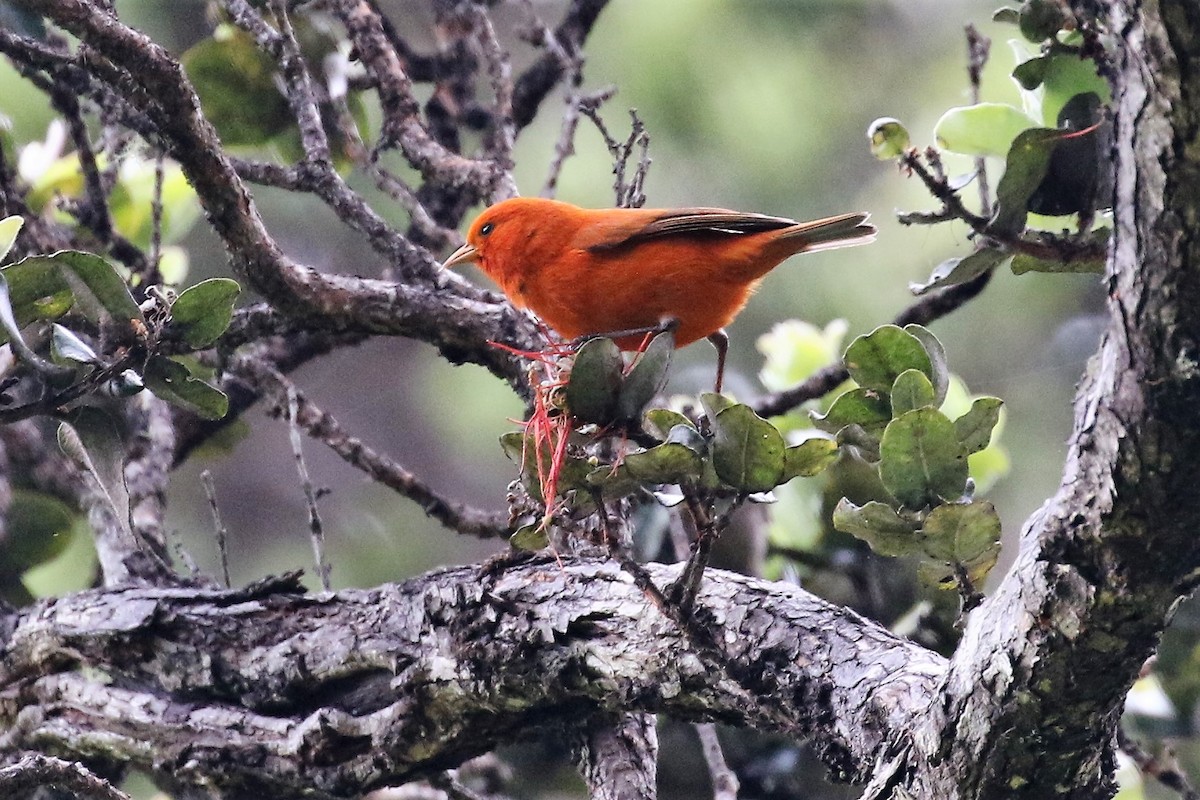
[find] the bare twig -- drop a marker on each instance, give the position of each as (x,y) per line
(325,428)
(978,47)
(35,771)
(558,61)
(154,258)
(502,132)
(630,193)
(724,781)
(1163,768)
(210,491)
(564,148)
(315,527)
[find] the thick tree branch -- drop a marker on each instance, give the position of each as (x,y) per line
(1054,651)
(326,695)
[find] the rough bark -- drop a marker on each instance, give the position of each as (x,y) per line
(268,690)
(1052,654)
(272,692)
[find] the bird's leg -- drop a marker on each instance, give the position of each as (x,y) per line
(720,340)
(665,325)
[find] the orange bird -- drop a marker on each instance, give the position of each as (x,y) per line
(625,272)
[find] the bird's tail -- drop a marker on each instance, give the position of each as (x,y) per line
(830,233)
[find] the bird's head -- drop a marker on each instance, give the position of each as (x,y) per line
(506,235)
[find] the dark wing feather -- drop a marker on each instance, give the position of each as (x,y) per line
(673,222)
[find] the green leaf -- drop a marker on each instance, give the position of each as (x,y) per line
(37,528)
(1041,20)
(1030,74)
(659,421)
(670,462)
(647,377)
(7,318)
(1023,263)
(808,458)
(236,83)
(1026,165)
(921,461)
(66,346)
(107,288)
(912,390)
(961,269)
(9,228)
(714,403)
(204,311)
(974,428)
(595,381)
(874,360)
(962,533)
(748,452)
(37,290)
(530,538)
(937,359)
(878,524)
(173,382)
(867,408)
(984,129)
(90,438)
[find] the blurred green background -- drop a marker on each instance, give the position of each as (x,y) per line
(760,105)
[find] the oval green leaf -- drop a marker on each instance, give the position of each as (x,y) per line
(912,390)
(984,129)
(203,312)
(878,524)
(748,451)
(595,381)
(962,533)
(921,461)
(866,408)
(173,382)
(808,458)
(646,378)
(876,359)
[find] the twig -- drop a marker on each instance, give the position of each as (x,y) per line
(978,47)
(36,771)
(315,527)
(1165,769)
(629,193)
(323,427)
(210,491)
(558,61)
(724,781)
(708,526)
(564,148)
(929,307)
(502,132)
(454,789)
(156,217)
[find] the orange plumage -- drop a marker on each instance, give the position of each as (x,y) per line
(600,271)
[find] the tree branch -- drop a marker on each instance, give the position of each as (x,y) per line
(326,696)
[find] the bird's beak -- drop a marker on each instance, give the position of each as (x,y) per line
(462,255)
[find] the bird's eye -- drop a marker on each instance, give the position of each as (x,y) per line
(486,228)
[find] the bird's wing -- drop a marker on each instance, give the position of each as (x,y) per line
(630,229)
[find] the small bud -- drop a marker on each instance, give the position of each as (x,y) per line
(889,138)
